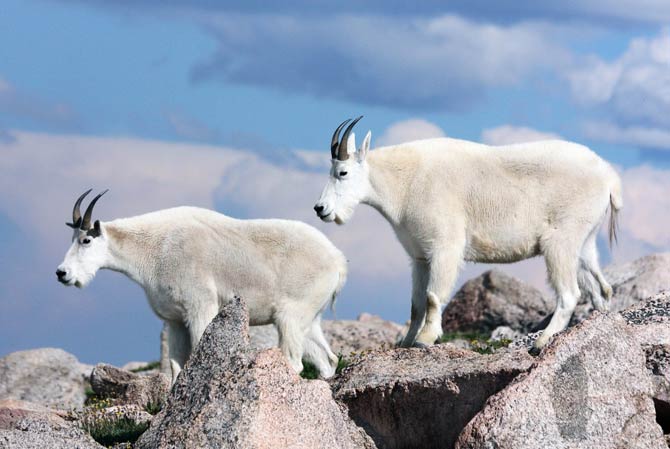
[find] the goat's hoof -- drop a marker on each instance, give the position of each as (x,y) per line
(534,351)
(418,344)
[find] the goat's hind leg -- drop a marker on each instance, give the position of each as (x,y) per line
(589,263)
(317,350)
(292,326)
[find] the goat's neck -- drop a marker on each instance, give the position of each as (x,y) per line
(129,251)
(385,191)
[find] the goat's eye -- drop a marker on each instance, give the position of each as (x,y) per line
(343,173)
(86,241)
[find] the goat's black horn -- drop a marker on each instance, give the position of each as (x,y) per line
(76,212)
(86,222)
(335,141)
(342,153)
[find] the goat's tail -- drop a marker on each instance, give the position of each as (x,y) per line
(342,279)
(616,203)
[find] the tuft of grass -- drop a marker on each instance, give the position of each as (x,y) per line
(153,407)
(479,342)
(309,371)
(148,367)
(90,394)
(341,363)
(469,336)
(489,346)
(109,433)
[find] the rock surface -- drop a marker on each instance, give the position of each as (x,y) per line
(24,425)
(589,388)
(124,387)
(495,299)
(344,336)
(649,320)
(632,282)
(46,376)
(229,395)
(366,333)
(423,397)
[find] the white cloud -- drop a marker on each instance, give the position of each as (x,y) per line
(408,130)
(646,211)
(508,134)
(313,159)
(634,88)
(190,128)
(640,136)
(383,60)
(17,102)
(5,87)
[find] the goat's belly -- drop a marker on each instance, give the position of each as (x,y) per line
(500,250)
(166,308)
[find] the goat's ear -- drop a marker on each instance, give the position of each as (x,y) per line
(95,230)
(362,152)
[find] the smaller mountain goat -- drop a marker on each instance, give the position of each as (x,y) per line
(191,261)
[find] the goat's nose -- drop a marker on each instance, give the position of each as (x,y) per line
(318,208)
(60,273)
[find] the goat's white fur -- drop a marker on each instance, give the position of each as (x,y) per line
(190,261)
(451,201)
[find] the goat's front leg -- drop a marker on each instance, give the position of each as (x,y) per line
(444,265)
(420,270)
(179,345)
(199,319)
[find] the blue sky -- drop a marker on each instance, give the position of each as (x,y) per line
(224,104)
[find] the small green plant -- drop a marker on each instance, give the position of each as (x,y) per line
(479,342)
(309,371)
(90,394)
(95,402)
(153,407)
(108,432)
(469,336)
(341,363)
(148,367)
(489,346)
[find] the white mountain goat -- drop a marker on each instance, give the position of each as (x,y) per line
(191,261)
(450,201)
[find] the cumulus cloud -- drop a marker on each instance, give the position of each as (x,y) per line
(420,63)
(190,128)
(633,89)
(508,134)
(22,104)
(640,136)
(646,210)
(408,130)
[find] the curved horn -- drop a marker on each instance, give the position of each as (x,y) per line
(86,223)
(342,153)
(76,213)
(335,142)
